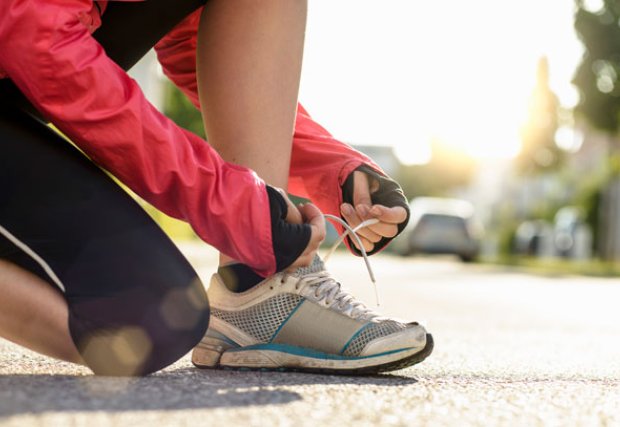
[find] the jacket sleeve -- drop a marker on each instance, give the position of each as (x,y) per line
(176,53)
(50,55)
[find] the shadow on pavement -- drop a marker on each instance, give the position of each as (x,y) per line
(185,388)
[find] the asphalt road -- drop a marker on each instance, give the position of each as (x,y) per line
(511,349)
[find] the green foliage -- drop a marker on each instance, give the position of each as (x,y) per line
(182,111)
(506,236)
(589,200)
(597,77)
(559,267)
(614,166)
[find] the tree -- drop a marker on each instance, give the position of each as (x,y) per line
(539,151)
(597,78)
(599,70)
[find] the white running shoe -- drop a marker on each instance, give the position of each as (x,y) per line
(304,321)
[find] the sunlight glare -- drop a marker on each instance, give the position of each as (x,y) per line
(414,153)
(569,139)
(388,75)
(593,5)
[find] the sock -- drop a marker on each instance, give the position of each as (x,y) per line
(239,277)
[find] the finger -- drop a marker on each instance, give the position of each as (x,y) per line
(318,232)
(393,215)
(363,211)
(310,252)
(361,192)
(384,229)
(353,219)
(313,216)
(292,213)
(368,245)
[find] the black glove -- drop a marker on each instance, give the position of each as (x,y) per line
(388,194)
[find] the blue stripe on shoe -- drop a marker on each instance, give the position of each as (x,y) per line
(307,352)
(220,336)
(275,334)
(355,335)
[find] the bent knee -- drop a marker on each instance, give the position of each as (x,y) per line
(140,338)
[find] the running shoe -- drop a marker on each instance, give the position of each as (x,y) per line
(304,321)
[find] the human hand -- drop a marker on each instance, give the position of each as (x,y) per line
(312,216)
(363,209)
(305,214)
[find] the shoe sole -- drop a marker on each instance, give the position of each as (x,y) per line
(208,355)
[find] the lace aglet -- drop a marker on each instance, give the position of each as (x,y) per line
(370,272)
(373,280)
(374,284)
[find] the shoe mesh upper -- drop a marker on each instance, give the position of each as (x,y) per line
(372,332)
(316,267)
(262,320)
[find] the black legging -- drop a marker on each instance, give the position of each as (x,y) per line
(135,303)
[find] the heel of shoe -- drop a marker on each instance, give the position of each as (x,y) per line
(208,352)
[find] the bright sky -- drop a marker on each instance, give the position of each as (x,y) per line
(401,72)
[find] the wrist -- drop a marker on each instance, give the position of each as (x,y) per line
(289,240)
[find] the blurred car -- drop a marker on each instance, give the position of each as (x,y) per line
(534,238)
(441,226)
(569,236)
(569,224)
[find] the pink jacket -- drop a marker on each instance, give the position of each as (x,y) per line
(47,50)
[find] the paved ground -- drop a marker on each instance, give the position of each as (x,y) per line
(511,349)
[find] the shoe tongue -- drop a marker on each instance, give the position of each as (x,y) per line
(316,267)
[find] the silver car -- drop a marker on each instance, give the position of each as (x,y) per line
(441,226)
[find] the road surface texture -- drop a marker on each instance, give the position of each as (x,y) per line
(511,349)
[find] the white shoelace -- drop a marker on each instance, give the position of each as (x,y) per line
(353,233)
(327,289)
